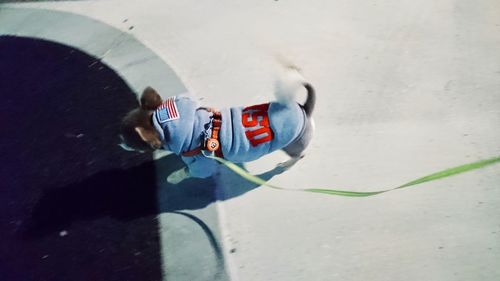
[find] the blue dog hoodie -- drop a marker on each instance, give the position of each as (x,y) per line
(246,133)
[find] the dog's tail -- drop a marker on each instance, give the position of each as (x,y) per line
(310,100)
(289,84)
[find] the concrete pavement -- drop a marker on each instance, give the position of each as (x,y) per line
(404,89)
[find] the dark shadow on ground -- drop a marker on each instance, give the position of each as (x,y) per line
(73,204)
(125,194)
(192,194)
(236,186)
(59,113)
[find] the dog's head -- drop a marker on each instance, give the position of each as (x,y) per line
(137,130)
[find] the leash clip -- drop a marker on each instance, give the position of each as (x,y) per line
(208,154)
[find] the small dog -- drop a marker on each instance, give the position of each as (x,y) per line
(238,134)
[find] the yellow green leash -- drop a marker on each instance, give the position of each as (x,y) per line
(432,177)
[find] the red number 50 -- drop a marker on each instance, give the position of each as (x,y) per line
(256,121)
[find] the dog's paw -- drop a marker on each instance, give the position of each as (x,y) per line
(289,163)
(178,176)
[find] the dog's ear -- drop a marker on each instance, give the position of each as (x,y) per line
(150,99)
(149,136)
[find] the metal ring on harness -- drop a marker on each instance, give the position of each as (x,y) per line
(212,144)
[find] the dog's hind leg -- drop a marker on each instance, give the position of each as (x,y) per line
(290,162)
(296,149)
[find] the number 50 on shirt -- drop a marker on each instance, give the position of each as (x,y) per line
(256,123)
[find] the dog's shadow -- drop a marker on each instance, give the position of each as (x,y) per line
(127,194)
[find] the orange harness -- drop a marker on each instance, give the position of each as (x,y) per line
(212,143)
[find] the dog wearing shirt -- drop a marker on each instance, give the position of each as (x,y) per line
(238,134)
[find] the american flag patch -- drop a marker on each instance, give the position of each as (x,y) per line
(167,111)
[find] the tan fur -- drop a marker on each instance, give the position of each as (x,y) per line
(149,136)
(137,131)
